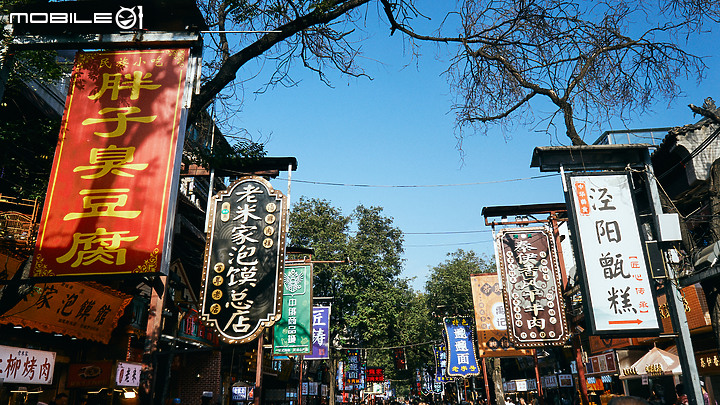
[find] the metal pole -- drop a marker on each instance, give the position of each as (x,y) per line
(300,383)
(556,235)
(152,335)
(288,186)
(537,373)
(258,370)
(487,384)
(691,378)
(211,186)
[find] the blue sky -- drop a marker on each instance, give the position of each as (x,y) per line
(397,129)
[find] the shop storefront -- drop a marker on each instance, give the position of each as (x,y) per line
(657,370)
(602,377)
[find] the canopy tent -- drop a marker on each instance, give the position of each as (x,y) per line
(656,362)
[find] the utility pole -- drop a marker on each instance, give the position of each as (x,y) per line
(686,354)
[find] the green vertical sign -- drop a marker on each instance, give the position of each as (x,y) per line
(293,332)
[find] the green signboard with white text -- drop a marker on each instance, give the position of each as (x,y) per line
(293,332)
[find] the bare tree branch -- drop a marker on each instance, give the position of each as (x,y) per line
(323,13)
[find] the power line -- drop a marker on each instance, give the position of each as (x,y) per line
(452,244)
(323,183)
(447,232)
(430,342)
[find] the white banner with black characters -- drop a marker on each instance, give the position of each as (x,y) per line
(26,366)
(621,300)
(128,374)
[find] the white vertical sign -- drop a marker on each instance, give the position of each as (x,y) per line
(128,374)
(621,299)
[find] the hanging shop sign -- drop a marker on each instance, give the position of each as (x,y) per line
(320,334)
(549,381)
(242,274)
(400,360)
(532,291)
(116,166)
(441,375)
(428,382)
(708,362)
(462,361)
(565,380)
(191,328)
(374,375)
(601,364)
(95,374)
(340,377)
(127,374)
(26,366)
(363,377)
(239,393)
(83,310)
(522,385)
(617,294)
(293,332)
(352,370)
(490,321)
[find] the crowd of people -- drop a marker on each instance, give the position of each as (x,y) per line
(657,397)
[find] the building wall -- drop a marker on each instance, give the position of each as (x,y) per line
(698,168)
(186,384)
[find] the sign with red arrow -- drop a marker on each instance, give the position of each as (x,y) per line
(611,257)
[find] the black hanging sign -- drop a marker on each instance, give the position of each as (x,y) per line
(244,260)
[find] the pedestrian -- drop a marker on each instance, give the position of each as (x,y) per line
(656,396)
(682,398)
(706,396)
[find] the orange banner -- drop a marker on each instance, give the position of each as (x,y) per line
(490,318)
(110,186)
(84,310)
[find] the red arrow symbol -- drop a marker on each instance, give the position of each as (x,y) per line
(636,321)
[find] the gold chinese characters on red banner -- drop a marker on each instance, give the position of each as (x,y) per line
(113,175)
(84,310)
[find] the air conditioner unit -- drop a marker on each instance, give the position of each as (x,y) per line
(708,257)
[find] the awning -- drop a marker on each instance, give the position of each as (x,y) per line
(655,363)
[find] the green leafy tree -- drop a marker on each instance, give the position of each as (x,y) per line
(449,292)
(369,298)
(448,288)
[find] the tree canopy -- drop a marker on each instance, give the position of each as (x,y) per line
(368,294)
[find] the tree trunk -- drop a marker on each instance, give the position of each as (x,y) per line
(497,381)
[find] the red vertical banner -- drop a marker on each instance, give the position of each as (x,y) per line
(108,198)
